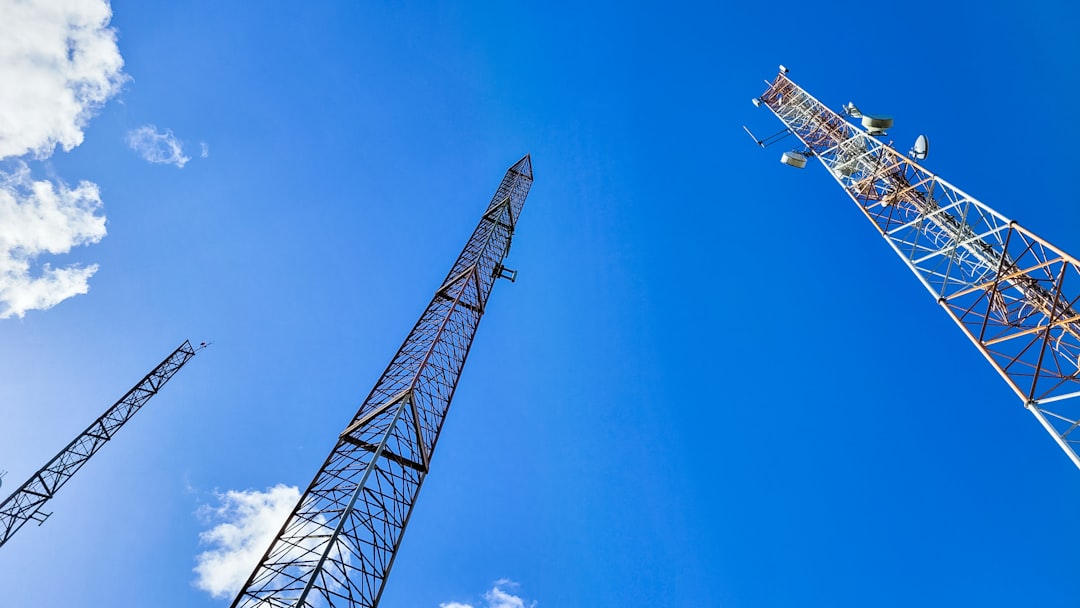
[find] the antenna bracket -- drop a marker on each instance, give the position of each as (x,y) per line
(502,272)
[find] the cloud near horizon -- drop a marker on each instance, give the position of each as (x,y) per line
(157,147)
(64,64)
(247,523)
(498,596)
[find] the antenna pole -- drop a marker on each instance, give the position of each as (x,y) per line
(770,140)
(26,502)
(1013,294)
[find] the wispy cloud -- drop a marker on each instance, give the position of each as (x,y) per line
(205,149)
(247,521)
(499,596)
(60,63)
(157,147)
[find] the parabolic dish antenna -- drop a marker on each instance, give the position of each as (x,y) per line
(921,148)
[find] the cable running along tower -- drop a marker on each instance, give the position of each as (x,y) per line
(337,546)
(25,503)
(1013,294)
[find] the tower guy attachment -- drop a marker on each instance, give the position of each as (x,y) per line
(25,503)
(1013,294)
(337,546)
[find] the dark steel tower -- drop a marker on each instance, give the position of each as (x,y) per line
(338,545)
(25,503)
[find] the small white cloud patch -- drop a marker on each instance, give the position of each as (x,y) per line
(205,149)
(498,597)
(248,523)
(156,147)
(42,217)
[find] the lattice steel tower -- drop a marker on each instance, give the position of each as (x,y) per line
(1013,294)
(26,502)
(338,545)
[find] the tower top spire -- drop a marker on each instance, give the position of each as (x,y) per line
(523,166)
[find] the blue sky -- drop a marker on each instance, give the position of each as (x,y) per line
(712,383)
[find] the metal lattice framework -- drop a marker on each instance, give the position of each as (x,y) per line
(338,545)
(1013,294)
(25,503)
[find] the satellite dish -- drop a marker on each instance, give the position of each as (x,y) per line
(921,148)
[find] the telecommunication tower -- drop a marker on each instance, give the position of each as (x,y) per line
(1012,293)
(26,502)
(338,545)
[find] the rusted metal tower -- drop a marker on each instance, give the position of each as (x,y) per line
(25,503)
(1013,294)
(338,545)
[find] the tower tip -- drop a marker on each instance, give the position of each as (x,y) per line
(524,166)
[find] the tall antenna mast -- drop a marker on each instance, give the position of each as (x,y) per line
(1013,294)
(338,545)
(26,502)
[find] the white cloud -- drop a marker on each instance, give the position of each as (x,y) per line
(249,521)
(158,148)
(205,149)
(497,597)
(40,217)
(60,63)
